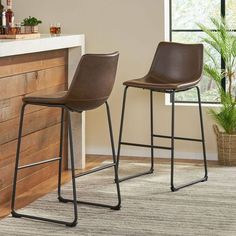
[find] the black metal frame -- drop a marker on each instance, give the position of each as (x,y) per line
(74,176)
(172,137)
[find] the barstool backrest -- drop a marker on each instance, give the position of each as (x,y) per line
(93,81)
(177,62)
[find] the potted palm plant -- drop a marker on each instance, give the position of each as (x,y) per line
(223,41)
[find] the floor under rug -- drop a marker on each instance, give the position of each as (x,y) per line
(148,205)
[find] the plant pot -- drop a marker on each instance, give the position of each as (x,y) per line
(226,146)
(26,29)
(34,29)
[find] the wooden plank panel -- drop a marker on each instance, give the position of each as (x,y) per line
(44,72)
(29,182)
(19,85)
(10,107)
(6,173)
(32,62)
(32,122)
(30,144)
(37,146)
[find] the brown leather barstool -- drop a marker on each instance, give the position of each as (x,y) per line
(176,67)
(91,87)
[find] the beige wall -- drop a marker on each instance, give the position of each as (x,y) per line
(134,28)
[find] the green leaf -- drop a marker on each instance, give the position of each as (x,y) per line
(224,42)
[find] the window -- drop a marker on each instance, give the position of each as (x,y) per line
(184,16)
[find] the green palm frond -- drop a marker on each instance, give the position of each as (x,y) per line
(213,59)
(213,72)
(222,41)
(234,47)
(226,118)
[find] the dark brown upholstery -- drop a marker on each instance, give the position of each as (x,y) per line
(91,86)
(175,67)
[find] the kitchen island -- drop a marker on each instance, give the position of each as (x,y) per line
(47,65)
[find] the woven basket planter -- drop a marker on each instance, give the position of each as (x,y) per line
(226,145)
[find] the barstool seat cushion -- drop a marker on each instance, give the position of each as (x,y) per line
(90,88)
(160,83)
(175,67)
(37,98)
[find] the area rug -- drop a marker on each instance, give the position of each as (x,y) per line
(148,205)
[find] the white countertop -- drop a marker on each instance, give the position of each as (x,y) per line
(10,47)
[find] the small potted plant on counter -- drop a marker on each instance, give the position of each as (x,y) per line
(30,25)
(222,41)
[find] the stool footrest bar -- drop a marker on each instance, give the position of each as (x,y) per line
(179,138)
(92,204)
(136,175)
(145,145)
(95,170)
(39,163)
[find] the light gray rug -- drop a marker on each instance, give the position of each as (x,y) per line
(148,206)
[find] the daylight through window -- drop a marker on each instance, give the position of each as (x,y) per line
(184,16)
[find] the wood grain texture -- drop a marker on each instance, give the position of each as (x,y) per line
(20,36)
(46,73)
(15,65)
(10,107)
(22,84)
(32,122)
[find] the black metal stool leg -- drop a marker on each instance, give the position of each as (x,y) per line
(173,188)
(172,139)
(117,207)
(13,212)
(60,154)
(152,134)
(203,136)
(121,125)
(120,138)
(60,198)
(72,174)
(114,164)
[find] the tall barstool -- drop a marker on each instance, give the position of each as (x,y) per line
(91,87)
(176,67)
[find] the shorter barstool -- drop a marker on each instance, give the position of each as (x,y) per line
(176,67)
(91,87)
